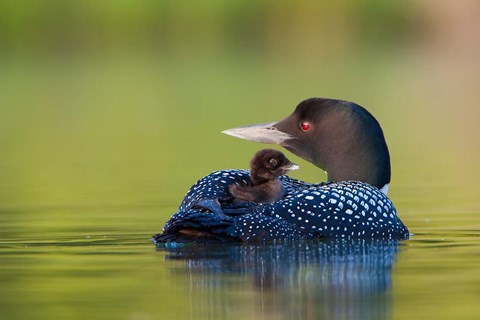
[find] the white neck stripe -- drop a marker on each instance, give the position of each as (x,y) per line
(384,189)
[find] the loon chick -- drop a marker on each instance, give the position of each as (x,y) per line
(264,187)
(340,137)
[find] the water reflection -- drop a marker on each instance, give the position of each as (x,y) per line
(311,280)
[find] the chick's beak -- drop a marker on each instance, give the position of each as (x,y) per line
(293,166)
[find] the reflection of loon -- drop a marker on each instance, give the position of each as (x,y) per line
(342,138)
(329,279)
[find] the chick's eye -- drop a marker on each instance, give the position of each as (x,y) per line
(305,126)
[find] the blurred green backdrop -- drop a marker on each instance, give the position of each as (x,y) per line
(122,102)
(111,110)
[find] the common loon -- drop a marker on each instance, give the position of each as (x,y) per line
(338,136)
(263,186)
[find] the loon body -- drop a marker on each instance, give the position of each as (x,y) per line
(263,186)
(338,136)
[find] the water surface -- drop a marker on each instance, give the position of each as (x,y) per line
(110,270)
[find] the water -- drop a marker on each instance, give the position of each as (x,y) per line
(80,272)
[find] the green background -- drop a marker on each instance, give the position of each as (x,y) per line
(111,110)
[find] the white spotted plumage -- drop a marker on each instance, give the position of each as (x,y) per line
(347,209)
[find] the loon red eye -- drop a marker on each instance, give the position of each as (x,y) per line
(305,126)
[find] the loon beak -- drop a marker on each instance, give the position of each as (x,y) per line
(264,133)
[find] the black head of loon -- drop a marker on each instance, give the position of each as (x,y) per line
(338,136)
(269,164)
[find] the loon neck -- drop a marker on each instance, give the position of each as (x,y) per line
(356,159)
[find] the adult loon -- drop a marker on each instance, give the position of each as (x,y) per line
(338,136)
(264,187)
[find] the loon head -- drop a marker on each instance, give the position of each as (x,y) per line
(337,136)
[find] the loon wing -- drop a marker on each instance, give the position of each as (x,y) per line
(213,186)
(347,209)
(195,226)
